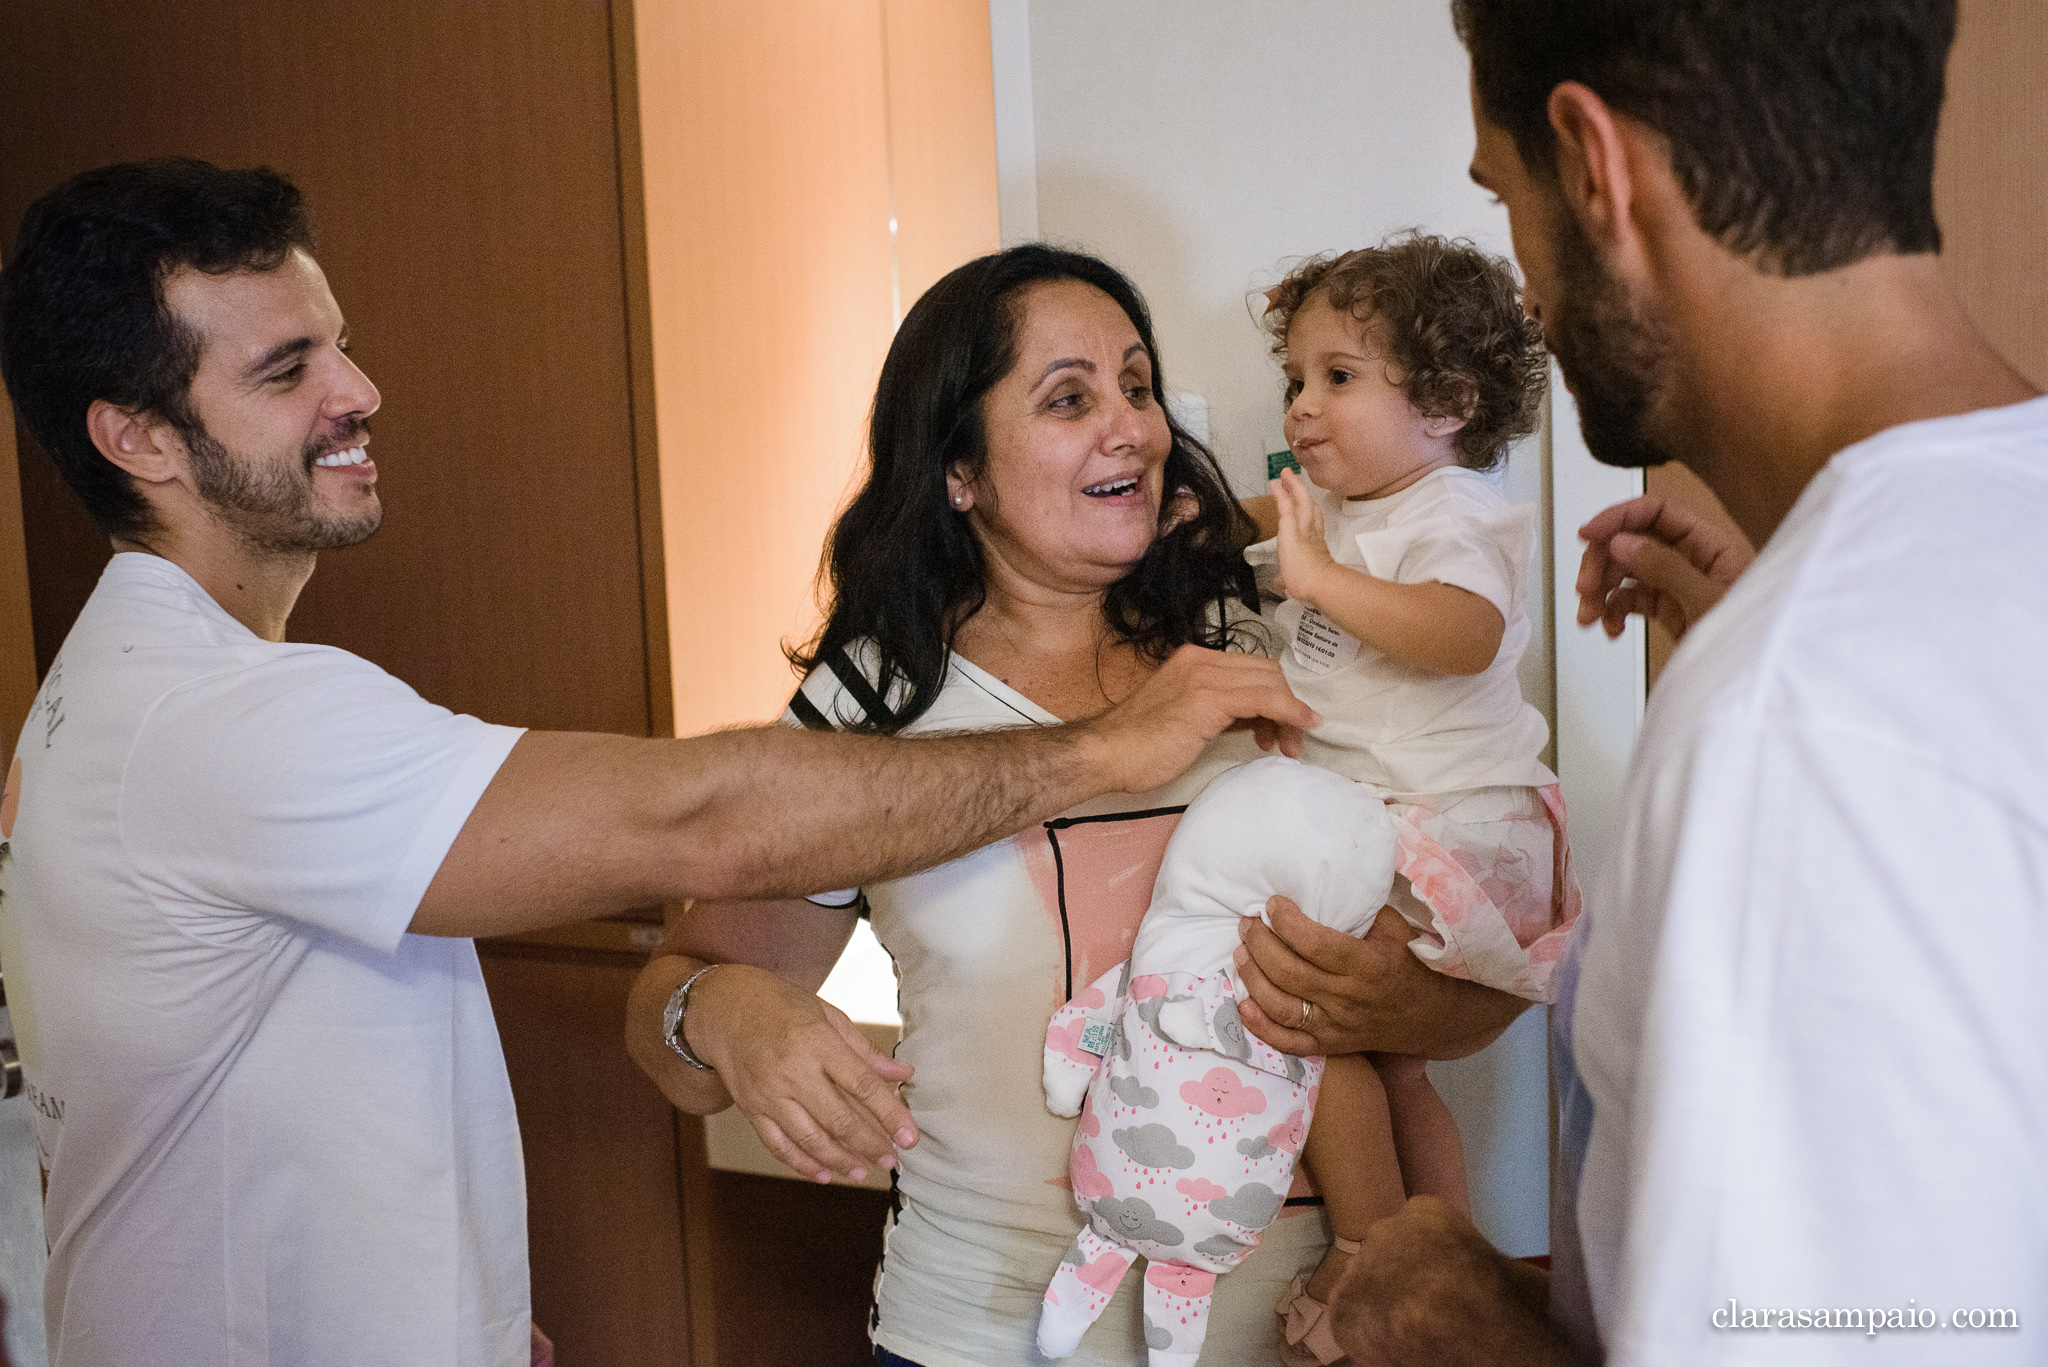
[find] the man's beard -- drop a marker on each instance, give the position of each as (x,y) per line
(271,506)
(1614,351)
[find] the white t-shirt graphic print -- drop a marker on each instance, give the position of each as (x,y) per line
(278,1127)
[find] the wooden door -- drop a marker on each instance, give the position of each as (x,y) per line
(603,1153)
(461,162)
(1991,176)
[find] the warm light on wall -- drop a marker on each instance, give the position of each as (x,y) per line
(779,139)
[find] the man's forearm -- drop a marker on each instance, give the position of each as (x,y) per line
(575,826)
(578,825)
(778,813)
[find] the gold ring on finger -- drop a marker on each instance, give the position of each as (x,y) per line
(1306,1007)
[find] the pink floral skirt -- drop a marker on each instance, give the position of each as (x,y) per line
(1485,877)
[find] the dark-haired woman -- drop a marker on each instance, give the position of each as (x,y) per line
(1008,563)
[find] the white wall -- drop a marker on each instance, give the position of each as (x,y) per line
(1202,145)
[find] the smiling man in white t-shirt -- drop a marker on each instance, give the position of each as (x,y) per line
(1799,1040)
(269,1090)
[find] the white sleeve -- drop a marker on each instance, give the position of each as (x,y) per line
(314,788)
(1835,1089)
(1487,552)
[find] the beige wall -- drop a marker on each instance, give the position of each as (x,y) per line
(778,139)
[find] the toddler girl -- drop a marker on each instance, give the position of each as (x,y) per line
(1410,368)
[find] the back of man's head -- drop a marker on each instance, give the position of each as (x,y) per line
(82,311)
(1801,131)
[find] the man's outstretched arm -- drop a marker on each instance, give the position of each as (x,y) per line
(578,825)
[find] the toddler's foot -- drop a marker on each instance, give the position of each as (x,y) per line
(1322,1283)
(1304,1310)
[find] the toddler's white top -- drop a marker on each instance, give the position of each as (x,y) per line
(1397,728)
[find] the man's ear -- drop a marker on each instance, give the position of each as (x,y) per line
(1593,171)
(143,445)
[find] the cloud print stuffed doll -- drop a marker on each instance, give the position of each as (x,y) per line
(1189,1126)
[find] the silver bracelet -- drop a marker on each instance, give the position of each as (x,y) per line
(672,1019)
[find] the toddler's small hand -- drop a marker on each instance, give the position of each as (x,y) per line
(1303,551)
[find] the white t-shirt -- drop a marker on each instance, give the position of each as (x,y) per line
(1398,728)
(1803,1045)
(278,1128)
(986,948)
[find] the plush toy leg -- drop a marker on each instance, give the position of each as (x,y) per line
(1176,1313)
(1086,1279)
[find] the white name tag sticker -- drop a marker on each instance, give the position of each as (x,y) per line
(1320,645)
(1097,1036)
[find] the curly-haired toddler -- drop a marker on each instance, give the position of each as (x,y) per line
(1410,369)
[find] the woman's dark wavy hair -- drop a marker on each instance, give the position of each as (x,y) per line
(82,310)
(904,570)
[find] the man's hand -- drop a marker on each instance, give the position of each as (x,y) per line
(1426,1290)
(1152,736)
(1369,994)
(1659,560)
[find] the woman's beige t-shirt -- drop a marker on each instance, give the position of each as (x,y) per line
(986,948)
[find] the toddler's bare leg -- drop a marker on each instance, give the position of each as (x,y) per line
(1425,1136)
(1351,1154)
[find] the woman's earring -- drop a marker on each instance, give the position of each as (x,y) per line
(959,500)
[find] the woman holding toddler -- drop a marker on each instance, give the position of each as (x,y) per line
(1035,537)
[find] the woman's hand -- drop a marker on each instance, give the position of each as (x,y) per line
(1368,994)
(1658,559)
(816,1092)
(1304,554)
(805,1077)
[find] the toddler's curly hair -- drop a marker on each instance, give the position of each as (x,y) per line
(1449,318)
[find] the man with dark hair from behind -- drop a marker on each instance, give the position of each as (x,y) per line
(1798,1048)
(268,1085)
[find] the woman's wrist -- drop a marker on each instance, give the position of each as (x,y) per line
(703,1024)
(696,1091)
(675,1018)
